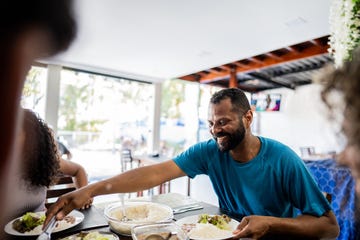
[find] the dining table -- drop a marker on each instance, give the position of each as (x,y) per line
(94,218)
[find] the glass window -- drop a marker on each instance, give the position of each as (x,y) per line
(34,91)
(183,115)
(99,115)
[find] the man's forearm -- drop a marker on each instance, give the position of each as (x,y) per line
(130,181)
(306,225)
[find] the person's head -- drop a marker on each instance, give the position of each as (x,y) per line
(346,81)
(40,154)
(52,21)
(31,30)
(229,117)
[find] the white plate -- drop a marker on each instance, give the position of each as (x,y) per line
(79,217)
(108,235)
(225,234)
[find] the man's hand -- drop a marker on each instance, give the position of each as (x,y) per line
(68,202)
(253,227)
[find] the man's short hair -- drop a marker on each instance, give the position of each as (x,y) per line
(238,99)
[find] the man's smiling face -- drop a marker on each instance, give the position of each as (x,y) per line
(226,125)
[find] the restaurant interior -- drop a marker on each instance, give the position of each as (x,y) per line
(143,53)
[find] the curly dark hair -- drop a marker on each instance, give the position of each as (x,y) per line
(40,153)
(345,80)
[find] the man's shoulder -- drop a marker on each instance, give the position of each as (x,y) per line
(277,150)
(205,147)
(209,142)
(272,143)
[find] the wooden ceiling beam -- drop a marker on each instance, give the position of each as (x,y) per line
(272,55)
(290,56)
(255,60)
(291,53)
(233,83)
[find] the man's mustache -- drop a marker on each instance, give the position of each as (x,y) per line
(221,135)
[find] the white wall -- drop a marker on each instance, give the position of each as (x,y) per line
(302,121)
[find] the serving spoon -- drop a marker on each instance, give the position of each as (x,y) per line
(124,218)
(46,234)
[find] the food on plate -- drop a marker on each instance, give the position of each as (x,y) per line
(31,223)
(137,213)
(208,231)
(95,235)
(28,222)
(207,226)
(69,219)
(220,221)
(142,213)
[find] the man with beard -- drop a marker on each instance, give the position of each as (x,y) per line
(255,177)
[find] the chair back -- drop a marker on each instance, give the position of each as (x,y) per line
(307,151)
(126,158)
(64,184)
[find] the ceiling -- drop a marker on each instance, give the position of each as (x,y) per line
(289,67)
(158,40)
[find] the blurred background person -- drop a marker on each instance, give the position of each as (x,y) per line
(64,150)
(345,81)
(28,30)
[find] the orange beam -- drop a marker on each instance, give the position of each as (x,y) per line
(291,56)
(319,46)
(233,79)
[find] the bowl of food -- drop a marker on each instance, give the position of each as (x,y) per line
(92,235)
(158,231)
(122,218)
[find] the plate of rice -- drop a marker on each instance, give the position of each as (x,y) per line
(31,223)
(208,227)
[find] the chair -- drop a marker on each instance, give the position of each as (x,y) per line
(64,184)
(127,159)
(307,151)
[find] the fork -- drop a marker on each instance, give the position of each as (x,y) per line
(46,234)
(187,208)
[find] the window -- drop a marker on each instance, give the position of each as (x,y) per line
(99,115)
(34,91)
(183,115)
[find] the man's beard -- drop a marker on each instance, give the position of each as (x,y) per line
(231,141)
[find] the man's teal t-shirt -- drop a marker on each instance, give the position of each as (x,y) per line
(275,183)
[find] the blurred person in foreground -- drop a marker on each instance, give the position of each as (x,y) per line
(345,81)
(253,176)
(29,30)
(41,165)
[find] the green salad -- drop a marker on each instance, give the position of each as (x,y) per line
(220,221)
(28,222)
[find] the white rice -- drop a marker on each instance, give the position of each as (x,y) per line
(138,214)
(143,213)
(208,231)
